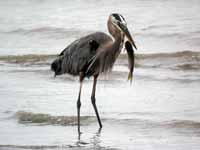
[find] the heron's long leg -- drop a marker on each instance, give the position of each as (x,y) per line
(79,101)
(94,100)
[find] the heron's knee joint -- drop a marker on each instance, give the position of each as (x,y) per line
(93,99)
(78,104)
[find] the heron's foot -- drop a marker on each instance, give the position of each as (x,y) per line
(79,135)
(81,143)
(99,131)
(79,132)
(100,126)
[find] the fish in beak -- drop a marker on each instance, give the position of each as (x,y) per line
(119,21)
(129,48)
(131,59)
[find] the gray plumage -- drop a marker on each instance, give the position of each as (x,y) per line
(79,55)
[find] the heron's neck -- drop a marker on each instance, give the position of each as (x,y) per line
(117,44)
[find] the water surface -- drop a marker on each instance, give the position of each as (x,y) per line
(48,26)
(160,110)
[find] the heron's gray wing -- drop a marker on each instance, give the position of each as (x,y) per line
(131,59)
(92,43)
(80,53)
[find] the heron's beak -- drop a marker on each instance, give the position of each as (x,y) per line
(124,28)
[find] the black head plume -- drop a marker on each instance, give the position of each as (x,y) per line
(119,18)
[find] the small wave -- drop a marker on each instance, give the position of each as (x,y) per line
(169,124)
(170,55)
(50,32)
(151,27)
(182,124)
(188,66)
(195,55)
(46,119)
(184,60)
(31,147)
(30,59)
(41,119)
(36,30)
(76,146)
(167,31)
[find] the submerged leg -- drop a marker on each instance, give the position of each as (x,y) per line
(79,102)
(94,100)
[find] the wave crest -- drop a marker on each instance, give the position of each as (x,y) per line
(183,124)
(40,118)
(184,60)
(50,32)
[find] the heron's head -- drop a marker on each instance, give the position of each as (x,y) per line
(117,23)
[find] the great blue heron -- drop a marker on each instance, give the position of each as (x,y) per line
(94,54)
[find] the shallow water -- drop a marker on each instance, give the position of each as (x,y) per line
(48,26)
(160,110)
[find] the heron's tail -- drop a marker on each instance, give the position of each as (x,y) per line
(56,66)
